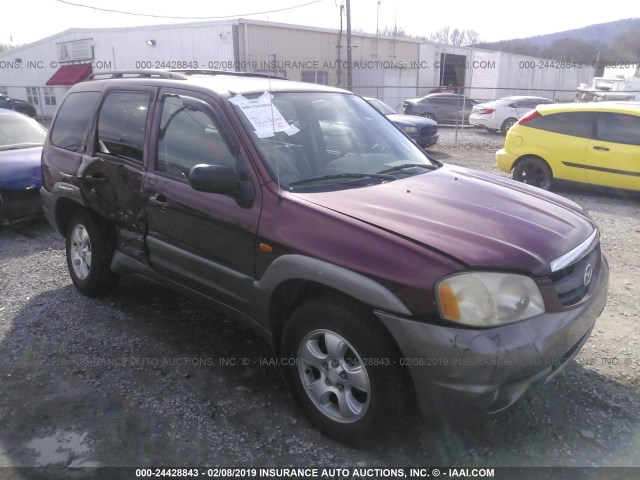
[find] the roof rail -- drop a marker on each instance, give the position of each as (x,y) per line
(149,73)
(225,72)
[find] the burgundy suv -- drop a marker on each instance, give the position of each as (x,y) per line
(379,275)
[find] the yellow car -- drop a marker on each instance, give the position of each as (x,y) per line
(596,143)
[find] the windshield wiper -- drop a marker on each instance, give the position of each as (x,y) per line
(340,176)
(399,168)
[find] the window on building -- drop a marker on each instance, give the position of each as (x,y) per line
(315,76)
(49,97)
(32,95)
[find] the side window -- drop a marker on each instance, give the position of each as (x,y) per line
(121,125)
(72,120)
(577,124)
(618,128)
(188,136)
(526,104)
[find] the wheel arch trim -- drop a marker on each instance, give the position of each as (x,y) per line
(353,284)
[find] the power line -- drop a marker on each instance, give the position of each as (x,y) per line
(186,18)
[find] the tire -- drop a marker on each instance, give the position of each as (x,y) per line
(90,244)
(533,171)
(430,116)
(343,371)
(507,124)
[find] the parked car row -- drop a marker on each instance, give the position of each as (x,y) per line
(595,144)
(451,108)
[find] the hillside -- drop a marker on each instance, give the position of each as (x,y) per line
(612,41)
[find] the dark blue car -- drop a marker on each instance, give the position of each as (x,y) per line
(423,130)
(21,140)
(21,106)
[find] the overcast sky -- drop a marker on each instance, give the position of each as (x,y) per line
(25,21)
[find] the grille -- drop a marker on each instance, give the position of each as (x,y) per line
(428,131)
(570,281)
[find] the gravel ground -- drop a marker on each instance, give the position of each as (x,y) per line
(145,378)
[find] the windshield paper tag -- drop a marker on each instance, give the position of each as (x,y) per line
(264,115)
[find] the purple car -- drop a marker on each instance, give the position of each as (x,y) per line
(21,140)
(381,277)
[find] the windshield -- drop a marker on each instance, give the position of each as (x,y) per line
(18,131)
(382,107)
(324,140)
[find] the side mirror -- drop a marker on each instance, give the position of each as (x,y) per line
(221,179)
(213,179)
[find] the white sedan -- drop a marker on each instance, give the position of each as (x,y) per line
(503,113)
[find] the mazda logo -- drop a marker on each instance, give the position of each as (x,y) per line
(588,273)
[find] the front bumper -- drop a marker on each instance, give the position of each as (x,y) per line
(426,141)
(490,369)
(19,205)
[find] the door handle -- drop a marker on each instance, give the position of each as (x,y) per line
(97,179)
(598,147)
(159,201)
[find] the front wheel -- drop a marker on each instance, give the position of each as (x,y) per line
(533,171)
(430,116)
(342,370)
(90,244)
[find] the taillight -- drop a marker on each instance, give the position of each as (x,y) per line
(528,117)
(487,111)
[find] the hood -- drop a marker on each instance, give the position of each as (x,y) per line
(411,120)
(479,219)
(20,169)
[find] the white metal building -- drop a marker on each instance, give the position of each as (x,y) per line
(392,69)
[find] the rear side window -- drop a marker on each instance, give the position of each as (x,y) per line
(576,124)
(121,125)
(618,128)
(72,120)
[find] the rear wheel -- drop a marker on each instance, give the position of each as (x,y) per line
(90,246)
(343,371)
(533,171)
(507,124)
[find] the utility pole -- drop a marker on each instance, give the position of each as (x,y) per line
(377,26)
(349,66)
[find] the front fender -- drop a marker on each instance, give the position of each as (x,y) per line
(355,285)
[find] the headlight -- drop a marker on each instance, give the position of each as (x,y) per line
(487,299)
(410,130)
